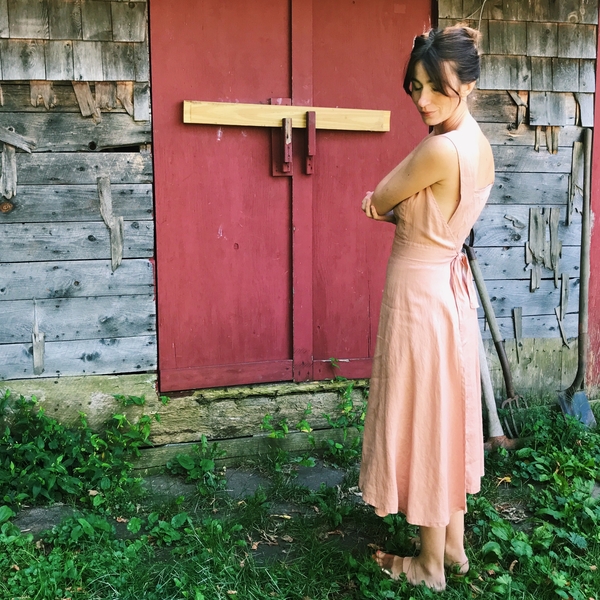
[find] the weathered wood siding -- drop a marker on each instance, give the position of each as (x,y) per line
(76,216)
(535,94)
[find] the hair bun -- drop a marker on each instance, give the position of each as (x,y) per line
(473,34)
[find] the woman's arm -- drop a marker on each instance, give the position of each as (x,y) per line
(432,161)
(370,211)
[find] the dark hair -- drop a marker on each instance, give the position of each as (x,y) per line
(455,46)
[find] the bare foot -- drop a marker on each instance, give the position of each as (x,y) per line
(416,573)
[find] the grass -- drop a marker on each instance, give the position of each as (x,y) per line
(532,533)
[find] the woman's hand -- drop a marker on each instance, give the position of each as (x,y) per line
(370,211)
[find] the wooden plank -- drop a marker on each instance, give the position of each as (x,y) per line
(112,355)
(492,106)
(67,241)
(576,41)
(67,168)
(8,135)
(142,61)
(502,134)
(28,19)
(96,20)
(85,98)
(125,95)
(587,76)
(499,262)
(527,188)
(550,108)
(81,318)
(578,11)
(586,109)
(106,95)
(59,60)
(271,115)
(508,226)
(542,39)
(129,21)
(75,279)
(565,75)
(141,101)
(508,37)
(508,294)
(67,132)
(520,159)
(22,59)
(118,62)
(4,28)
(16,97)
(303,265)
(539,326)
(541,74)
(64,17)
(87,61)
(499,72)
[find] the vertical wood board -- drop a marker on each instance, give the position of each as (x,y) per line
(508,37)
(4,28)
(576,41)
(542,39)
(565,75)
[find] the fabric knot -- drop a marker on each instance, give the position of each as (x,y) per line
(462,280)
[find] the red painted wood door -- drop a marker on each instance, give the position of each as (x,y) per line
(263,278)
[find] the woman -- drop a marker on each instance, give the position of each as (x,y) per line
(423,439)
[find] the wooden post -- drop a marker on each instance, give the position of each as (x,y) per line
(302,199)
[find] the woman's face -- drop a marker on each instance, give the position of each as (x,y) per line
(433,105)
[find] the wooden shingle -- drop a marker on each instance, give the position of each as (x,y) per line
(542,39)
(500,72)
(565,75)
(587,76)
(549,108)
(129,21)
(586,109)
(96,20)
(28,19)
(118,62)
(576,41)
(142,61)
(23,59)
(4,30)
(64,18)
(541,73)
(87,61)
(59,60)
(450,9)
(578,11)
(544,10)
(507,37)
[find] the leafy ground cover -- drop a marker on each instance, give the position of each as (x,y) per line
(532,532)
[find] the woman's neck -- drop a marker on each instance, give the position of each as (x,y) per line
(455,120)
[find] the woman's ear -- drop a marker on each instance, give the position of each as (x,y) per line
(466,89)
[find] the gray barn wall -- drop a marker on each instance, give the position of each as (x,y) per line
(74,79)
(534,97)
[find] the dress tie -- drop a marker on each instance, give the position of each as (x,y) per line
(462,280)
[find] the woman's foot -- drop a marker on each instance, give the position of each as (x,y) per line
(457,567)
(416,573)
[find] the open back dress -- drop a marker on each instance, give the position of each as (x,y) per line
(423,438)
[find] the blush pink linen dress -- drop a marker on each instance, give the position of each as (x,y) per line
(423,438)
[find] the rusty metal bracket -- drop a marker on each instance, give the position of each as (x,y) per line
(311,141)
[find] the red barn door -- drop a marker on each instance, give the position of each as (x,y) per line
(263,278)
